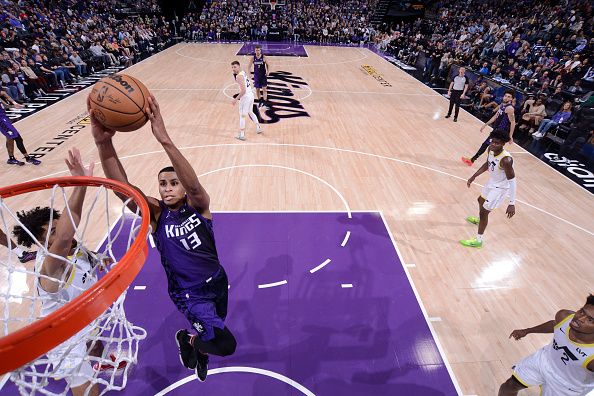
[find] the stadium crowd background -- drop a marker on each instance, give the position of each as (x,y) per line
(543,50)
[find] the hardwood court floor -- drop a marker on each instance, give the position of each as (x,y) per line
(372,147)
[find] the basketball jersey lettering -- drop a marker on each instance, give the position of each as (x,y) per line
(191,242)
(176,231)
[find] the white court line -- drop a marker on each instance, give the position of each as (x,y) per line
(274,64)
(273,284)
(139,287)
(319,267)
(346,238)
(410,265)
(427,320)
(346,285)
(349,213)
(435,319)
(341,150)
(252,370)
(3,380)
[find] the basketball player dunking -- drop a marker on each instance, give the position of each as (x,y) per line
(501,184)
(503,119)
(245,99)
(183,231)
(565,367)
(261,70)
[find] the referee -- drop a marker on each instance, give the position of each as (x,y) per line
(456,91)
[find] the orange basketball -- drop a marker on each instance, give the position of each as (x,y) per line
(118,102)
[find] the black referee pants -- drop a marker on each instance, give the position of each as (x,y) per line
(455,100)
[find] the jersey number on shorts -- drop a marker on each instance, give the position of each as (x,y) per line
(191,242)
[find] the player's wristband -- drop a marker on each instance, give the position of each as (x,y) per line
(512,191)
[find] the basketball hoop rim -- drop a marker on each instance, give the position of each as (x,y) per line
(28,343)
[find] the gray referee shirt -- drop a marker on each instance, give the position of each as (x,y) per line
(459,83)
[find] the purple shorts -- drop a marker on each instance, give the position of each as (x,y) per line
(206,307)
(260,81)
(6,127)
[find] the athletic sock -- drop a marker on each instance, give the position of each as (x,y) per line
(479,237)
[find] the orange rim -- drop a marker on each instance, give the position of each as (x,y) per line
(30,342)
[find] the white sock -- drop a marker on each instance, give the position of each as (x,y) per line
(242,132)
(479,237)
(18,251)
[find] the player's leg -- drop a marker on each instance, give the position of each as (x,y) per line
(252,115)
(242,115)
(21,146)
(482,221)
(81,390)
(511,387)
(481,150)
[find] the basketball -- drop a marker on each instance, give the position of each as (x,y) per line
(118,102)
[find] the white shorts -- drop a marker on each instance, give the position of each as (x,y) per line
(494,197)
(246,104)
(68,360)
(533,370)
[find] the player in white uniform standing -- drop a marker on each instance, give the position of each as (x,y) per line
(501,185)
(565,367)
(61,281)
(245,99)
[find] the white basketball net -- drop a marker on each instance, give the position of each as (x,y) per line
(101,354)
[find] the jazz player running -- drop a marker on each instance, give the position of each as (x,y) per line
(245,99)
(565,367)
(261,70)
(183,231)
(501,184)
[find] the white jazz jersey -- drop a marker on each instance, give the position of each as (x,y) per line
(68,358)
(497,177)
(248,84)
(560,367)
(80,279)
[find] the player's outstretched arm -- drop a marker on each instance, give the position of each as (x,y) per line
(197,196)
(544,328)
(479,172)
(113,168)
(67,224)
(491,120)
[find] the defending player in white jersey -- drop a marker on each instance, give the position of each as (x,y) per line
(565,367)
(245,99)
(501,185)
(60,281)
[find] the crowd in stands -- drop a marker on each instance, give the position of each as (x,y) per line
(542,49)
(46,44)
(322,21)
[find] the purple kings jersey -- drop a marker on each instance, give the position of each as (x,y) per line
(186,242)
(259,67)
(502,120)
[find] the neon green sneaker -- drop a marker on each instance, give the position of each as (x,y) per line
(473,220)
(472,243)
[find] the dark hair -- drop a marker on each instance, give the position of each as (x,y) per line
(510,91)
(33,220)
(167,169)
(500,134)
(258,46)
(235,63)
(590,300)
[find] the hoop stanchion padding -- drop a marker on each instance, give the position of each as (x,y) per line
(28,343)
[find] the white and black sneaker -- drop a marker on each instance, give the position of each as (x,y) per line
(187,356)
(201,366)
